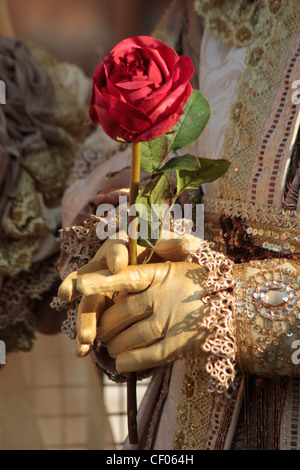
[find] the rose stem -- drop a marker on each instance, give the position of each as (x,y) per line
(134,190)
(133,222)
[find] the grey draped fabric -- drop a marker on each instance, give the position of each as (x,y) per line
(29,97)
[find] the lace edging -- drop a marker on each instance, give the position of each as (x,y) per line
(220,341)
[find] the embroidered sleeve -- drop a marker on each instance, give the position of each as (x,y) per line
(253,320)
(267,316)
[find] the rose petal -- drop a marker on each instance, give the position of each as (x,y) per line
(183,70)
(171,102)
(137,95)
(113,91)
(99,76)
(159,128)
(162,54)
(98,115)
(110,126)
(123,114)
(140,90)
(154,73)
(149,103)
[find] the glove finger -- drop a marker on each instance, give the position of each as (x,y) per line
(142,334)
(82,350)
(88,313)
(130,280)
(174,247)
(123,314)
(142,358)
(114,253)
(67,290)
(175,345)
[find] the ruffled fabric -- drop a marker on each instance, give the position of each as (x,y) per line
(38,146)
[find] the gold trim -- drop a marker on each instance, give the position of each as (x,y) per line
(265,333)
(269,44)
(274,229)
(195,409)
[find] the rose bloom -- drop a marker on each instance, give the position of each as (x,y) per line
(140,89)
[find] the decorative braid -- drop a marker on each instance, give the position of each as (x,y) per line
(219,296)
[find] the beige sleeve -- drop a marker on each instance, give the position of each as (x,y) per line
(267,317)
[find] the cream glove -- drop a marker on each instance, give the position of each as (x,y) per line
(159,322)
(113,257)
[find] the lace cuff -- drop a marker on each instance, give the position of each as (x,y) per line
(219,296)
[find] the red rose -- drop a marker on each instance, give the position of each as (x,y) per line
(140,89)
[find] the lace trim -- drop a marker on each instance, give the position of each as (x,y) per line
(78,246)
(220,342)
(15,303)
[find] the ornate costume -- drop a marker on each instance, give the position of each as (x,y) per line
(248,63)
(248,66)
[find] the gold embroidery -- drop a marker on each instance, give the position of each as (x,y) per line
(274,229)
(232,21)
(269,42)
(267,178)
(199,413)
(194,411)
(267,316)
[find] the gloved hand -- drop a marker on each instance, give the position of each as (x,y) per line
(112,255)
(159,321)
(113,258)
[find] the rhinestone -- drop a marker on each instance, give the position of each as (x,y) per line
(274,298)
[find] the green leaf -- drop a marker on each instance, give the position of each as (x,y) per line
(147,243)
(182,162)
(192,122)
(156,192)
(161,192)
(153,153)
(209,171)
